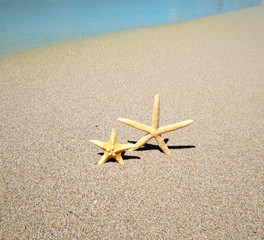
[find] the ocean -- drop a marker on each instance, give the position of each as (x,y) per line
(29,24)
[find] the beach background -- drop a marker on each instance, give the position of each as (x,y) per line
(28,24)
(55,99)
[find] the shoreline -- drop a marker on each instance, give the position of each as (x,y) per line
(101,37)
(56,99)
(17,42)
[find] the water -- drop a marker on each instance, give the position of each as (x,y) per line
(27,24)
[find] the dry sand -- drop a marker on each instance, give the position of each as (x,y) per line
(55,99)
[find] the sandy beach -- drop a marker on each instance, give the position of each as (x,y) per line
(55,99)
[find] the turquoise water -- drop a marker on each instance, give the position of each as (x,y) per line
(27,24)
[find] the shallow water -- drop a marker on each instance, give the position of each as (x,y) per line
(29,24)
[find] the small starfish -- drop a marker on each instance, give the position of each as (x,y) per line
(112,149)
(154,131)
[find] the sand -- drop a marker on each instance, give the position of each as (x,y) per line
(56,99)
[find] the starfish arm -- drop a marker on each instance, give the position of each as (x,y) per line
(135,124)
(98,143)
(113,138)
(104,158)
(162,145)
(142,141)
(123,147)
(174,126)
(156,111)
(119,159)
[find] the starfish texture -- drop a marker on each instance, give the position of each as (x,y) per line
(154,131)
(112,149)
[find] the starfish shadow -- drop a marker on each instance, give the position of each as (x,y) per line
(125,158)
(149,146)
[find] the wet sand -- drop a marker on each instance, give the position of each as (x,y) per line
(56,99)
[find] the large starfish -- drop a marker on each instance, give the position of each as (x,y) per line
(154,131)
(112,149)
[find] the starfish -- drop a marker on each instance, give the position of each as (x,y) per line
(154,131)
(112,149)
